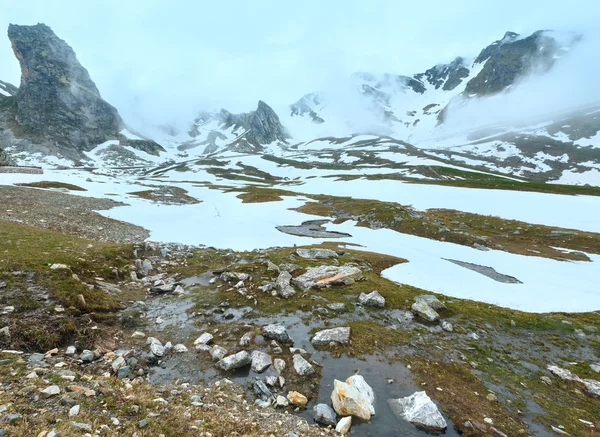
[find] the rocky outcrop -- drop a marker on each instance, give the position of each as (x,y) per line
(262,125)
(57,109)
(57,98)
(511,58)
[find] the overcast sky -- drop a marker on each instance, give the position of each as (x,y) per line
(166,59)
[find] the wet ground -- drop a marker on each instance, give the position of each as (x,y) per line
(388,380)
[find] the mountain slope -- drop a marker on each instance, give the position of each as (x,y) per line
(57,109)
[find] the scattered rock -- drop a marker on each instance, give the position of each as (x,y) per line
(297,399)
(359,383)
(71,350)
(339,335)
(324,415)
(324,276)
(301,366)
(343,426)
(316,253)
(74,411)
(157,349)
(280,401)
(260,361)
(447,326)
(282,284)
(336,306)
(373,299)
(218,353)
(277,332)
(235,361)
(87,356)
(424,311)
(348,401)
(279,365)
(180,348)
(419,410)
(205,338)
(246,339)
(431,301)
(52,390)
(82,426)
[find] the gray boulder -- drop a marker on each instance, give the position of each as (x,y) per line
(432,301)
(316,253)
(424,311)
(260,361)
(235,361)
(277,332)
(324,276)
(282,284)
(324,415)
(373,299)
(419,410)
(339,335)
(301,366)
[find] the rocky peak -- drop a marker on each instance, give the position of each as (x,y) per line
(57,99)
(262,125)
(265,126)
(513,57)
(446,76)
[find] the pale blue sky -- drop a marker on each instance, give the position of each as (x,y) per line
(169,58)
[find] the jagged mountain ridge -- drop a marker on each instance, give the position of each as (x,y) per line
(408,104)
(246,132)
(57,110)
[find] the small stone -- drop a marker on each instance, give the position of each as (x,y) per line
(180,348)
(124,372)
(339,335)
(74,411)
(52,390)
(260,361)
(447,326)
(118,363)
(280,401)
(87,356)
(431,301)
(279,365)
(246,339)
(205,338)
(157,349)
(83,426)
(316,253)
(277,332)
(324,415)
(218,353)
(71,350)
(138,334)
(343,426)
(425,312)
(143,423)
(298,399)
(301,366)
(373,299)
(235,361)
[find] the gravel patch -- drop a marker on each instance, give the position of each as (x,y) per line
(67,213)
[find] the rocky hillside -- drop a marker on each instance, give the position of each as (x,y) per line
(57,109)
